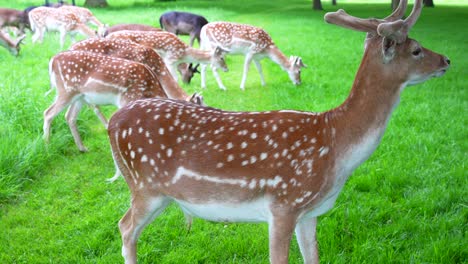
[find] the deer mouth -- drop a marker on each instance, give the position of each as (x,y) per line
(440,73)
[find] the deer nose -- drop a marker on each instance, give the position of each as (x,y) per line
(447,60)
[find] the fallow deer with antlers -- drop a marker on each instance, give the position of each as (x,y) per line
(285,168)
(251,41)
(44,19)
(174,50)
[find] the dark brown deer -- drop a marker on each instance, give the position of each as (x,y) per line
(285,168)
(183,23)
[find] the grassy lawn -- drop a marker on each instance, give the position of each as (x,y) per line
(407,204)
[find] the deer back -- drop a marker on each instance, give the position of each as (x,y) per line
(201,154)
(163,42)
(235,38)
(80,72)
(132,27)
(126,49)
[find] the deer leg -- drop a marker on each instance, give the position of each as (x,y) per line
(72,36)
(281,228)
(188,221)
(192,39)
(203,75)
(116,174)
(99,114)
(173,70)
(51,112)
(63,34)
(71,115)
(38,35)
(218,79)
(140,214)
(248,59)
(305,235)
(260,71)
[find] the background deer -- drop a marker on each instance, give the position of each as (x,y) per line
(285,168)
(128,50)
(183,23)
(251,41)
(173,50)
(83,77)
(13,46)
(133,27)
(13,17)
(85,16)
(187,71)
(44,19)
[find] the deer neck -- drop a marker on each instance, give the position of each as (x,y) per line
(197,56)
(360,122)
(170,86)
(85,30)
(278,57)
(7,43)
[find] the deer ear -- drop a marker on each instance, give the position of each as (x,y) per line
(20,39)
(388,49)
(195,69)
(300,63)
(219,51)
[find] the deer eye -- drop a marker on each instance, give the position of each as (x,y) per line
(416,52)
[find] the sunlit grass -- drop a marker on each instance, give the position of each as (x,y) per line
(406,204)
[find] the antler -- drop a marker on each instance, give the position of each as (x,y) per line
(341,18)
(399,12)
(391,27)
(398,30)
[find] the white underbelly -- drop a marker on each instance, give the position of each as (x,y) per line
(102,98)
(252,211)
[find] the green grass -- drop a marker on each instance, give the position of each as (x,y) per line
(406,204)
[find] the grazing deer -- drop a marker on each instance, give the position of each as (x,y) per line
(173,50)
(254,42)
(186,70)
(133,27)
(14,18)
(129,50)
(83,77)
(54,19)
(85,16)
(126,49)
(285,168)
(183,23)
(13,46)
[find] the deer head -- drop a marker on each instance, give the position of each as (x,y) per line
(294,70)
(389,48)
(217,60)
(187,71)
(13,46)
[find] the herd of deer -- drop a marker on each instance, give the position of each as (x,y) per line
(285,168)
